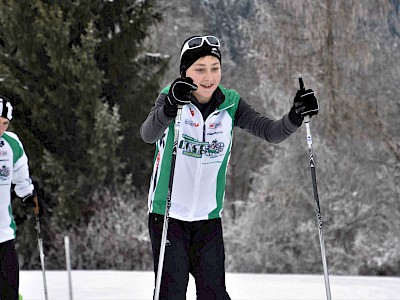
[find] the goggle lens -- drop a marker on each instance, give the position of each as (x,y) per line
(195,42)
(212,41)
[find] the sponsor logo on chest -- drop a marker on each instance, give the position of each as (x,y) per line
(195,148)
(215,125)
(191,123)
(4,173)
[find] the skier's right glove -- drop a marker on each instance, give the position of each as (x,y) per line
(180,93)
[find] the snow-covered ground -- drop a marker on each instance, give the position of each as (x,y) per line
(131,285)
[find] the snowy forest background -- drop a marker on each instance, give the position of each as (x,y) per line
(84,74)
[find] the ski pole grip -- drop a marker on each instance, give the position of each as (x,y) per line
(301,83)
(36,208)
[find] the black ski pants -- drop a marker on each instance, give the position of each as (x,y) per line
(192,247)
(9,271)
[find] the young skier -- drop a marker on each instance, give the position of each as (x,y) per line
(209,112)
(14,170)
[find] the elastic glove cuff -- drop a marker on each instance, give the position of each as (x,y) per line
(170,110)
(295,118)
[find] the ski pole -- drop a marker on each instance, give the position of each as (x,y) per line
(68,265)
(168,204)
(40,243)
(316,198)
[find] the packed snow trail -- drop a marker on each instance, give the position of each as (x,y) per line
(132,285)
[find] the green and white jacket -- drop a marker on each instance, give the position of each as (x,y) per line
(13,170)
(203,152)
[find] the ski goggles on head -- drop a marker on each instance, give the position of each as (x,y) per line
(198,41)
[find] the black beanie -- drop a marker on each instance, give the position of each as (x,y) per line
(191,55)
(5,108)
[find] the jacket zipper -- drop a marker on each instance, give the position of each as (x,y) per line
(196,186)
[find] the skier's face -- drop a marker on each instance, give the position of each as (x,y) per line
(4,122)
(206,74)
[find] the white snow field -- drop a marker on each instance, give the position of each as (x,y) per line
(132,285)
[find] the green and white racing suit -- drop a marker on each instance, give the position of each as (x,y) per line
(203,152)
(13,170)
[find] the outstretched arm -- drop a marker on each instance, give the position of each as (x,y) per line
(274,131)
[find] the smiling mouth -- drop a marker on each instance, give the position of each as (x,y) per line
(207,86)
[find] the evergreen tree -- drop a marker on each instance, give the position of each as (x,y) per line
(58,85)
(132,78)
(62,61)
(75,73)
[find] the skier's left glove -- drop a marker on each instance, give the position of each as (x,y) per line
(30,202)
(304,104)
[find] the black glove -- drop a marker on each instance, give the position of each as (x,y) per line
(304,104)
(30,202)
(179,94)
